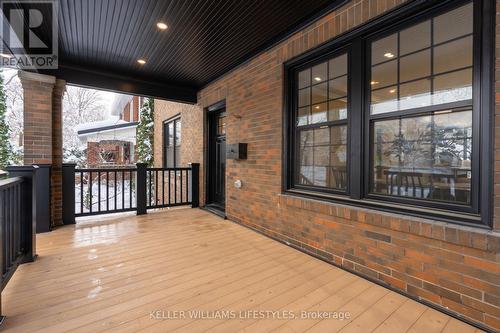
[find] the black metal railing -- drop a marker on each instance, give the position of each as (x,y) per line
(17,223)
(168,187)
(112,190)
(100,191)
(11,224)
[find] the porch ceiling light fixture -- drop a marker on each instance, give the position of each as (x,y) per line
(141,61)
(389,55)
(374,83)
(162,26)
(317,78)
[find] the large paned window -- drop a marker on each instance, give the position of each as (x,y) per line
(397,117)
(172,143)
(428,66)
(322,124)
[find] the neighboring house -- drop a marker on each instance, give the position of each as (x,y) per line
(113,141)
(127,107)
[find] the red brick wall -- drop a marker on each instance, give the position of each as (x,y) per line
(191,133)
(37,90)
(449,265)
(94,151)
(135,116)
(126,112)
(135,104)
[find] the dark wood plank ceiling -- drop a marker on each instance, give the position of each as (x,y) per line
(204,39)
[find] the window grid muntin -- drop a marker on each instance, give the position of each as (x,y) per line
(312,126)
(328,81)
(432,77)
(332,147)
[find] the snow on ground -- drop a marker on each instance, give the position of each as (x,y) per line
(124,195)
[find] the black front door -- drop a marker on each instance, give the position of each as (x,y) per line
(217,159)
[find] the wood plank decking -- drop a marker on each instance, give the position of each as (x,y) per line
(129,273)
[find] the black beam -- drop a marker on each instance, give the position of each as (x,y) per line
(68,191)
(128,84)
(141,188)
(195,185)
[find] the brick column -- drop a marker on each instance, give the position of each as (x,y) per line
(43,131)
(57,157)
(38,91)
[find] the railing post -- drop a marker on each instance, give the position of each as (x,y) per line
(31,220)
(141,185)
(195,185)
(68,193)
(41,191)
(30,199)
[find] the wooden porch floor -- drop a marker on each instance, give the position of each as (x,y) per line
(114,274)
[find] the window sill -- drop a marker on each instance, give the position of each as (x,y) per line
(460,229)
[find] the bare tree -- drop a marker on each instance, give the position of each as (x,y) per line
(80,105)
(83,105)
(14,95)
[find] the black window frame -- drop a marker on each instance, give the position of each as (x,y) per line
(356,44)
(173,120)
(338,123)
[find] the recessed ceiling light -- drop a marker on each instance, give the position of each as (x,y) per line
(392,91)
(374,83)
(389,55)
(141,61)
(317,78)
(317,107)
(4,55)
(162,26)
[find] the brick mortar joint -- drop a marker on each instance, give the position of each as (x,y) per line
(492,233)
